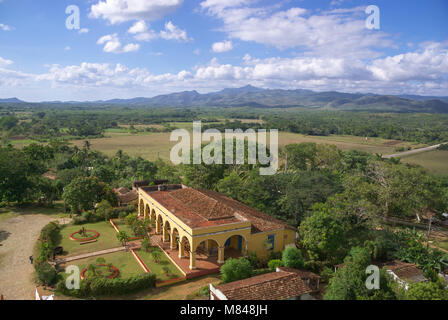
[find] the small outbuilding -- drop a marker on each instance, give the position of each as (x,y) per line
(284,284)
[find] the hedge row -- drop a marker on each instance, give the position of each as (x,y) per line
(109,287)
(91,217)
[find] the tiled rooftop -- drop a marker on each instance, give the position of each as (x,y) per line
(406,271)
(198,208)
(270,286)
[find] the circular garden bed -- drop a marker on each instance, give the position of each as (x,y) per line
(89,235)
(103,270)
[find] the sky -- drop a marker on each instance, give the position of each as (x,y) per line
(143,48)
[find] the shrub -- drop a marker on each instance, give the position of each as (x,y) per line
(236,269)
(122,215)
(292,258)
(79,220)
(253,259)
(49,238)
(109,287)
(131,219)
(46,273)
(426,291)
(274,264)
(146,245)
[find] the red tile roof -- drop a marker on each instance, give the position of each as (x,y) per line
(406,271)
(304,274)
(126,196)
(270,286)
(199,208)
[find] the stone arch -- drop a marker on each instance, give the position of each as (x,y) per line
(175,238)
(208,248)
(153,216)
(235,246)
(159,224)
(166,231)
(184,247)
(141,208)
(146,211)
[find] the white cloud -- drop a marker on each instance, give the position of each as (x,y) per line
(138,27)
(112,44)
(5,62)
(117,11)
(172,32)
(337,32)
(5,27)
(422,71)
(428,63)
(224,46)
(83,30)
(67,48)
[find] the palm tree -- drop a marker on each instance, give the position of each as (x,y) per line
(123,237)
(156,255)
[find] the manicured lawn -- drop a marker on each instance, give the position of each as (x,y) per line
(124,261)
(107,239)
(157,268)
(122,226)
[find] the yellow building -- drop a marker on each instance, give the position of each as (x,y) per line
(206,222)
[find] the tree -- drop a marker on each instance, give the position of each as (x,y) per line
(322,235)
(82,193)
(292,258)
(236,269)
(146,245)
(123,237)
(104,210)
(348,283)
(426,291)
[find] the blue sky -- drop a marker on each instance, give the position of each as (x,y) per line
(129,48)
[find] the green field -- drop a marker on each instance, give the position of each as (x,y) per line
(157,268)
(151,146)
(435,161)
(124,261)
(107,239)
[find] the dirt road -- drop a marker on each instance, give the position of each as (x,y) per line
(17,238)
(410,152)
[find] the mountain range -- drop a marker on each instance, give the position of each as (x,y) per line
(250,96)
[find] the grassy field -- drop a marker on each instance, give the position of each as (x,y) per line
(435,161)
(151,146)
(124,261)
(157,268)
(107,239)
(11,212)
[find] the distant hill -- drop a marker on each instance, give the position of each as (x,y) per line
(250,96)
(253,97)
(11,100)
